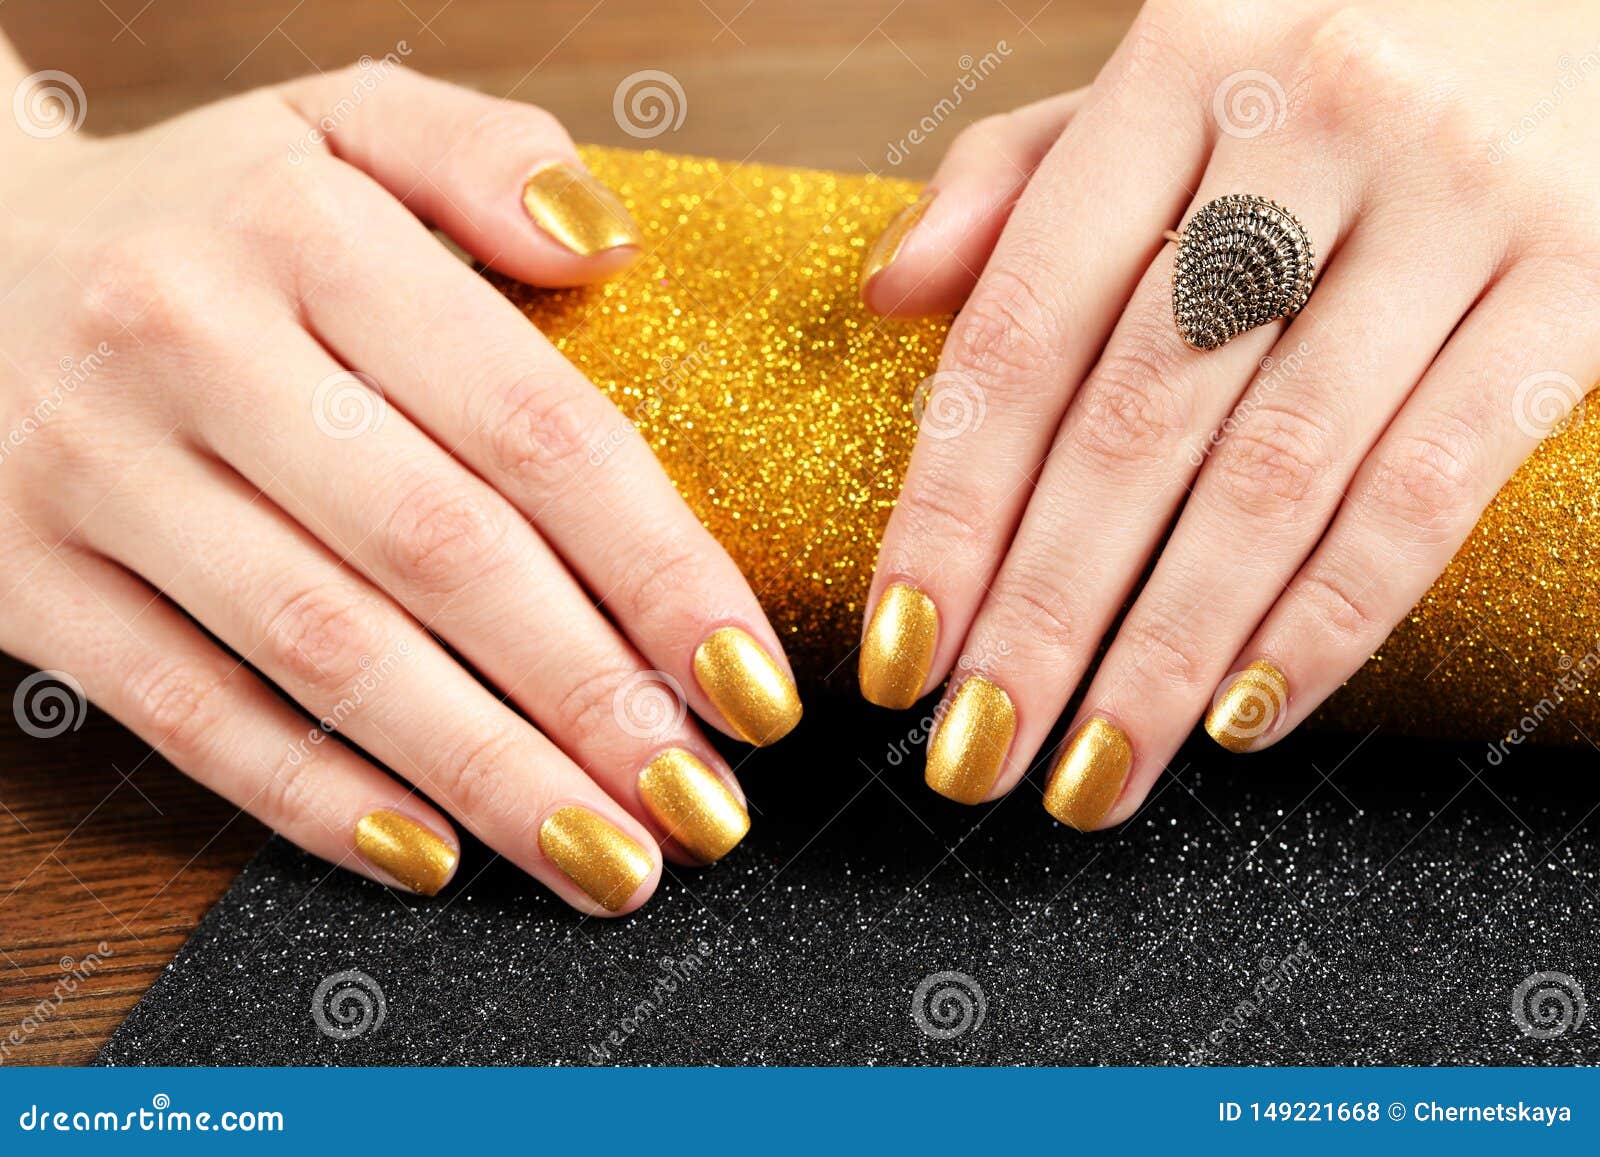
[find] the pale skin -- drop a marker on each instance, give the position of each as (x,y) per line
(179,534)
(1442,158)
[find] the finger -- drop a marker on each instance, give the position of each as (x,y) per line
(357,663)
(500,177)
(383,497)
(467,367)
(1060,276)
(928,257)
(1508,379)
(210,717)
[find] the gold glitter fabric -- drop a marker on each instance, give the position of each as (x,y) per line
(782,409)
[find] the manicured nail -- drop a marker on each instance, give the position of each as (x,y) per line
(971,742)
(595,855)
(405,851)
(898,648)
(1248,706)
(889,243)
(754,695)
(1089,776)
(692,803)
(567,202)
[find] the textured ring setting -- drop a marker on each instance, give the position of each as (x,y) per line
(1243,261)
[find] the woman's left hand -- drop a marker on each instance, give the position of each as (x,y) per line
(1291,494)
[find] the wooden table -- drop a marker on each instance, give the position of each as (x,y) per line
(105,850)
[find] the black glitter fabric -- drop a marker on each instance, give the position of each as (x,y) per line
(1338,900)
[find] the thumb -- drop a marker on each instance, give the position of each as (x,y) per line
(502,179)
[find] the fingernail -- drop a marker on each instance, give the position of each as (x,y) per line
(898,648)
(754,695)
(1089,776)
(887,247)
(595,855)
(567,202)
(971,742)
(405,851)
(1248,706)
(692,803)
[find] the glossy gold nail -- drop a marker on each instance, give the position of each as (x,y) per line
(898,648)
(1088,777)
(754,695)
(692,803)
(567,202)
(1248,706)
(405,851)
(889,243)
(595,855)
(971,742)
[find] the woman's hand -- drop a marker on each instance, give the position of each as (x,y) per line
(1289,495)
(250,403)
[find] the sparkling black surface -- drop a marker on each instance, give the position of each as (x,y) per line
(1424,885)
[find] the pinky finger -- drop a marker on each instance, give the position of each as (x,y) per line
(1512,374)
(211,717)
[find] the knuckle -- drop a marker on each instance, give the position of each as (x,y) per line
(661,578)
(477,774)
(1004,335)
(1366,74)
(318,638)
(178,703)
(289,792)
(1034,611)
(541,430)
(442,535)
(584,714)
(1332,599)
(1427,480)
(939,509)
(1271,463)
(1134,410)
(142,285)
(1165,654)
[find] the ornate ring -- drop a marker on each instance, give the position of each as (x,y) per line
(1242,262)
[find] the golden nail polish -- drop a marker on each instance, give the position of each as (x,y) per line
(887,247)
(692,803)
(1249,706)
(754,695)
(898,648)
(595,855)
(405,851)
(971,742)
(1088,777)
(567,202)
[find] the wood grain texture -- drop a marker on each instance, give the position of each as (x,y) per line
(101,842)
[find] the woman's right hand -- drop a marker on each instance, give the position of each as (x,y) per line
(250,405)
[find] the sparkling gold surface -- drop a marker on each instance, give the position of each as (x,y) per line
(782,409)
(970,743)
(898,648)
(694,806)
(405,851)
(595,855)
(1249,706)
(1089,776)
(754,695)
(887,247)
(577,210)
